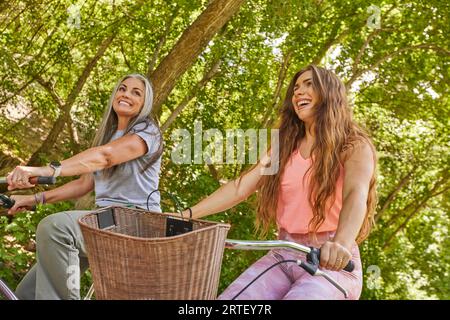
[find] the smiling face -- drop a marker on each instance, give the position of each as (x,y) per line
(305,98)
(129,98)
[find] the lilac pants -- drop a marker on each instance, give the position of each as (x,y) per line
(287,281)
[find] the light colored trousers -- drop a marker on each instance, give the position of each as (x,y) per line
(287,281)
(60,259)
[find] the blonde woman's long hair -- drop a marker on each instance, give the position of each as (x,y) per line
(335,132)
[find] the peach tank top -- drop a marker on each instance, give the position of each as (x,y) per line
(294,211)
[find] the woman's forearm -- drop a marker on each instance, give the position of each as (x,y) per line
(351,218)
(228,195)
(90,160)
(222,199)
(71,190)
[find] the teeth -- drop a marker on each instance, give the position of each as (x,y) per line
(124,102)
(302,102)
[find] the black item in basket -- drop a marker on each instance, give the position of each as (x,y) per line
(106,219)
(176,226)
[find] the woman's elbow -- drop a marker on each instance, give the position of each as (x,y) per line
(105,158)
(241,193)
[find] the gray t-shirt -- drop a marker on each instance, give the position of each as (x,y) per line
(128,186)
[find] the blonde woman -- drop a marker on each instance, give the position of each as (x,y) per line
(122,167)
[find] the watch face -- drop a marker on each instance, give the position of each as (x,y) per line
(55,164)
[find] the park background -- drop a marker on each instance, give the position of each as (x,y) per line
(227,63)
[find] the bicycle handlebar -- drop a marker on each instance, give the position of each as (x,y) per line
(280,244)
(7,202)
(34,180)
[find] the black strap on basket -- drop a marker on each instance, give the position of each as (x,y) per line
(175,226)
(172,197)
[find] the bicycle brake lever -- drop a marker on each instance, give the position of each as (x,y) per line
(314,270)
(332,281)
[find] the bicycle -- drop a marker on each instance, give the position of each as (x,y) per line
(7,203)
(311,265)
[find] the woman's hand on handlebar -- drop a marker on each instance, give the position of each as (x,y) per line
(334,256)
(22,203)
(19,178)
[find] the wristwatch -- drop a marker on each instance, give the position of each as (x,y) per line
(56,166)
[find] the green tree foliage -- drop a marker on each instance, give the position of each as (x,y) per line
(56,74)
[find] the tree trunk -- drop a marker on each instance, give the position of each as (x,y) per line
(191,43)
(74,137)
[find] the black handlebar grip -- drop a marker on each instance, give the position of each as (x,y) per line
(34,180)
(43,180)
(350,266)
(6,202)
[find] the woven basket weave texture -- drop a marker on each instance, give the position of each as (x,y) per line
(135,260)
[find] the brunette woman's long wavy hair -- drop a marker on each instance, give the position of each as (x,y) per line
(335,132)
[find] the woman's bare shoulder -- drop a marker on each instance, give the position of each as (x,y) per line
(357,149)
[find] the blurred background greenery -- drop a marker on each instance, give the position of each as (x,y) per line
(227,63)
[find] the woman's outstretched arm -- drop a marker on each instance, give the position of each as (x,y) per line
(230,194)
(116,152)
(359,169)
(71,190)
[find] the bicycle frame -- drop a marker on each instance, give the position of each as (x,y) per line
(6,202)
(6,291)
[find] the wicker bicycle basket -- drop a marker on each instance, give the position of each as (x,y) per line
(134,259)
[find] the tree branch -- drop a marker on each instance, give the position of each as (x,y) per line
(282,72)
(390,55)
(404,181)
(124,56)
(63,117)
(413,213)
(212,72)
(162,40)
(332,40)
(191,43)
(51,90)
(363,48)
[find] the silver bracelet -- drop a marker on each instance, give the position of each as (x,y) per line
(39,198)
(35,198)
